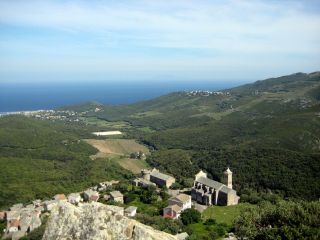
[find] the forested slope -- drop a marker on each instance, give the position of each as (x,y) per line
(40,158)
(267,132)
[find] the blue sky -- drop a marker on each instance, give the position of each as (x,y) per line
(157,40)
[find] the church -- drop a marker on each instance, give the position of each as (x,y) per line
(209,192)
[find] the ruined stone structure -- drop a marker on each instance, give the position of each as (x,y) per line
(209,192)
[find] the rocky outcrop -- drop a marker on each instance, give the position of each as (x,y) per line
(97,221)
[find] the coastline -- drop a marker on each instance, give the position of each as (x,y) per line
(27,113)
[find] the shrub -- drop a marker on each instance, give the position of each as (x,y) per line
(190,216)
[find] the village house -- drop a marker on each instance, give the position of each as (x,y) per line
(209,192)
(59,197)
(116,196)
(141,182)
(172,211)
(13,226)
(16,207)
(30,220)
(2,215)
(182,236)
(74,198)
(22,220)
(12,215)
(176,206)
(37,203)
(182,200)
(49,205)
(90,195)
(130,211)
(155,176)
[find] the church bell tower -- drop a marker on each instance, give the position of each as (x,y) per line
(227,178)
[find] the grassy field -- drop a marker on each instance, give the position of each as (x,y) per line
(118,150)
(224,214)
(133,165)
(117,146)
(100,123)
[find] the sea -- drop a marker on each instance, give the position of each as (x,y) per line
(26,96)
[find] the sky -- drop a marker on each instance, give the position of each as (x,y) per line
(155,40)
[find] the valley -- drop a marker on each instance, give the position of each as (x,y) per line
(266,132)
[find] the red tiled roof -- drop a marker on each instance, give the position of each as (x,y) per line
(14,223)
(60,196)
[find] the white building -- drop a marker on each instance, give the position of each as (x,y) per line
(130,211)
(177,205)
(74,198)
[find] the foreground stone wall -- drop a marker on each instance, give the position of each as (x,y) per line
(97,221)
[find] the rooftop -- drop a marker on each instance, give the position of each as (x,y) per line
(175,208)
(182,197)
(209,182)
(116,194)
(130,209)
(160,175)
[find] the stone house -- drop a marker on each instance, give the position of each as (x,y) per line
(37,203)
(91,195)
(116,196)
(16,207)
(13,226)
(12,215)
(176,206)
(59,197)
(130,211)
(182,200)
(141,182)
(209,192)
(182,236)
(172,211)
(74,198)
(155,176)
(49,205)
(2,215)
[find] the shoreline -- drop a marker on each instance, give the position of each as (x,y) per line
(25,112)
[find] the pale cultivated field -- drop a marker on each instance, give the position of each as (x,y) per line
(119,151)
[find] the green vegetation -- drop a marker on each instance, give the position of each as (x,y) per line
(190,216)
(224,214)
(266,132)
(40,158)
(283,220)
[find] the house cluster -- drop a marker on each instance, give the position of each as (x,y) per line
(206,93)
(154,178)
(209,192)
(22,219)
(177,205)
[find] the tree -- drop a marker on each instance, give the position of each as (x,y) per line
(190,216)
(149,195)
(285,220)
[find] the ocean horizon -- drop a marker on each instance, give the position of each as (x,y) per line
(15,97)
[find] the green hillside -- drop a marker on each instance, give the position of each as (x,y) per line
(267,132)
(40,158)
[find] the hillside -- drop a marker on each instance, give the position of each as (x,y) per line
(40,158)
(267,132)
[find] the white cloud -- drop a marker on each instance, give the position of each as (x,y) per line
(236,34)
